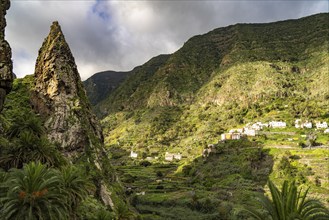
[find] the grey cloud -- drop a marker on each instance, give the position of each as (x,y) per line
(119,35)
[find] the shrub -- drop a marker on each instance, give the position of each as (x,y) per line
(159,174)
(145,163)
(159,187)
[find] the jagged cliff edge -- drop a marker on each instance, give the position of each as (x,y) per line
(59,97)
(6,66)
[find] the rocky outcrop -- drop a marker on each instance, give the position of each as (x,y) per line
(60,98)
(6,66)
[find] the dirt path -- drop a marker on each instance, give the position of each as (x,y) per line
(281,147)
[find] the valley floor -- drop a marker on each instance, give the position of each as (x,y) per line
(218,186)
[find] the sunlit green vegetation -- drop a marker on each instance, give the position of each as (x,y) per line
(215,82)
(37,181)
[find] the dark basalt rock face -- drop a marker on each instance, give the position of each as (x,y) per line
(6,66)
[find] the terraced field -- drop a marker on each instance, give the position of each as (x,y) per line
(215,187)
(199,188)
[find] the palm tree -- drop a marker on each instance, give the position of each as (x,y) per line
(26,121)
(29,147)
(289,204)
(75,186)
(33,193)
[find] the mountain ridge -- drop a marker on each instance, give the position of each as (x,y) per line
(102,83)
(240,50)
(216,83)
(226,77)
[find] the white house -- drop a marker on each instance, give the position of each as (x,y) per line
(133,154)
(326,131)
(236,136)
(259,126)
(298,123)
(238,130)
(171,157)
(230,136)
(223,137)
(256,127)
(232,131)
(178,156)
(321,125)
(250,132)
(278,124)
(307,125)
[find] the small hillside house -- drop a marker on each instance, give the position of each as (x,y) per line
(178,156)
(277,124)
(231,136)
(171,157)
(133,154)
(320,125)
(307,125)
(251,132)
(300,124)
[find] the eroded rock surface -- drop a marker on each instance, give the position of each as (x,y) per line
(60,98)
(6,66)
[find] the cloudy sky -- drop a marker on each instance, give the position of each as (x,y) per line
(119,35)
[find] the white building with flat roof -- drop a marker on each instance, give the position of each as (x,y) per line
(278,124)
(171,156)
(250,132)
(320,125)
(307,125)
(133,154)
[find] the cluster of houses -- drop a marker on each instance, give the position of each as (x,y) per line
(133,154)
(307,124)
(168,156)
(253,129)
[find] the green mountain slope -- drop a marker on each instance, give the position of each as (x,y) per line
(221,79)
(215,82)
(101,84)
(205,56)
(132,90)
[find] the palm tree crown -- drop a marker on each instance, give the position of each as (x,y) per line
(32,193)
(289,204)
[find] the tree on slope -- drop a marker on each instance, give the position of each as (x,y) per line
(32,193)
